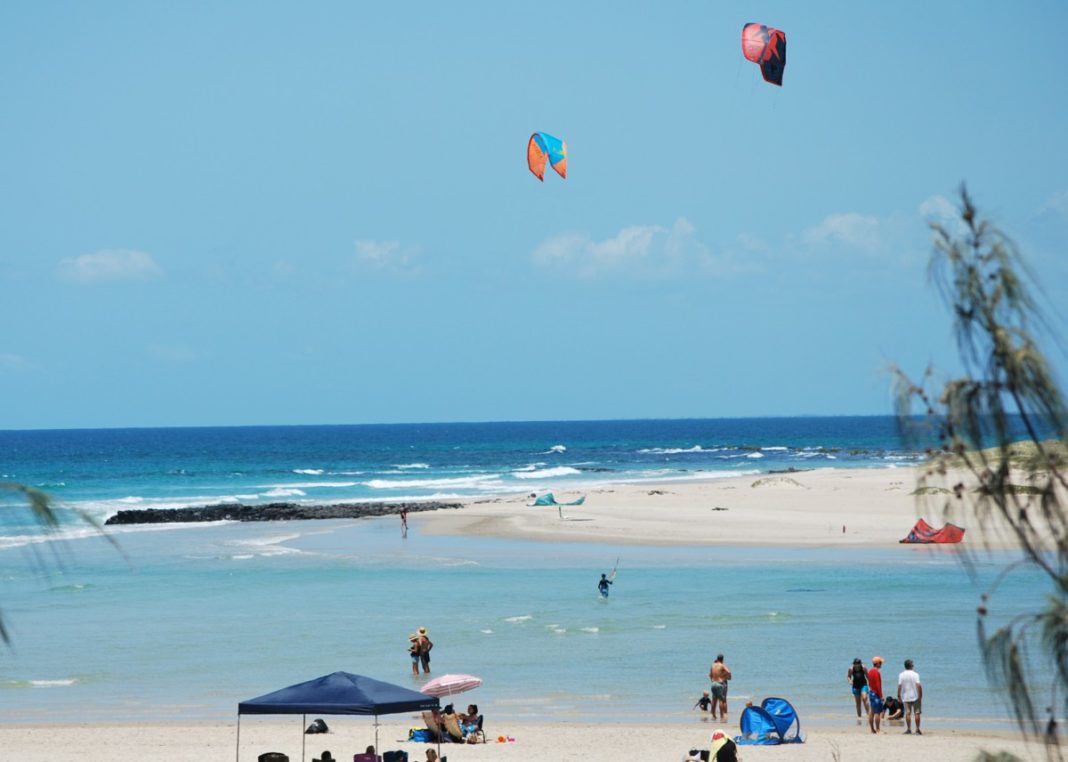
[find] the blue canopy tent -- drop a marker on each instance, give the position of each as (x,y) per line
(337,693)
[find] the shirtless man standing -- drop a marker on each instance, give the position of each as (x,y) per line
(720,674)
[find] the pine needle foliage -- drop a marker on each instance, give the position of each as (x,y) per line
(43,510)
(1006,387)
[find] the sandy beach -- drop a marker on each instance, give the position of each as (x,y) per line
(816,509)
(533,741)
(822,508)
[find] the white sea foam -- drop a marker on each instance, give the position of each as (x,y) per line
(259,542)
(486,632)
(755,455)
(411,465)
(270,545)
(546,473)
(82,533)
(659,626)
(665,475)
(673,450)
(52,683)
(772,449)
(309,485)
(284,492)
(531,467)
(522,618)
(309,471)
(594,630)
(557,448)
(478,481)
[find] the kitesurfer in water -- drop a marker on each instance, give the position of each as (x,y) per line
(602,586)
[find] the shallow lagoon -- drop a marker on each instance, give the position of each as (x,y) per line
(186,621)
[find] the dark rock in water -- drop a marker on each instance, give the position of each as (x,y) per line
(270,512)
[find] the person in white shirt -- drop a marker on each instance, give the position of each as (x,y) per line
(910,693)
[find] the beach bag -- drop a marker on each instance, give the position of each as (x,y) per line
(420,735)
(317,726)
(476,736)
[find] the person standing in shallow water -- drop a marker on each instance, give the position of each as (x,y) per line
(425,645)
(875,695)
(413,651)
(602,586)
(857,677)
(720,675)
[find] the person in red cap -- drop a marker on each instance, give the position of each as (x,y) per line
(875,694)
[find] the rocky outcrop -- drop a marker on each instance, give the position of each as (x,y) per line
(270,512)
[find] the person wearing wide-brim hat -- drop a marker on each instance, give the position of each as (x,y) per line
(424,645)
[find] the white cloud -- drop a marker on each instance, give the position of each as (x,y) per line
(863,232)
(638,251)
(1056,204)
(386,256)
(939,209)
(109,265)
(11,363)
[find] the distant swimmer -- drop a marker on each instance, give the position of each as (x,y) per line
(602,586)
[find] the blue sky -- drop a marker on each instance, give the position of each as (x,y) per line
(258,213)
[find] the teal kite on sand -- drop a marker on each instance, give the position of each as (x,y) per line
(549,499)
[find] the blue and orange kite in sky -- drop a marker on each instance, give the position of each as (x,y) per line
(766,46)
(542,148)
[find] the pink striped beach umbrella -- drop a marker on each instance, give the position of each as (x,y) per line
(447,685)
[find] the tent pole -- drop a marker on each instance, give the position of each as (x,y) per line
(303,724)
(377,750)
(237,746)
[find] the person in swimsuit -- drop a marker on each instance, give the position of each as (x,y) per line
(425,645)
(413,651)
(705,702)
(857,677)
(720,675)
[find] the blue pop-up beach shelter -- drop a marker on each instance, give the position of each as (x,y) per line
(337,693)
(775,721)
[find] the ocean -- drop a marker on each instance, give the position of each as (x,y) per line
(184,621)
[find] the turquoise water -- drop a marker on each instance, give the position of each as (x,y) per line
(187,621)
